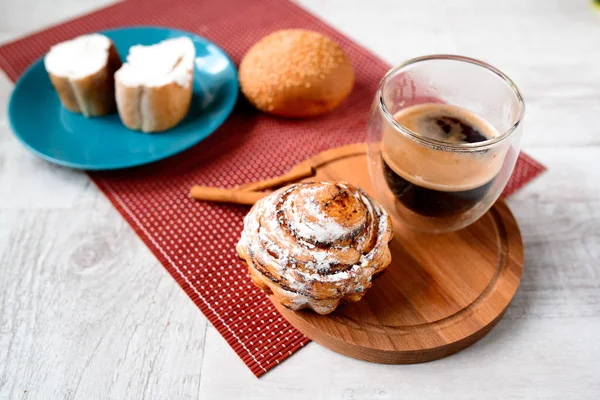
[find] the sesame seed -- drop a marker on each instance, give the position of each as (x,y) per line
(285,60)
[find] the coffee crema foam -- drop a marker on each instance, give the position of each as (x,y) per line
(435,169)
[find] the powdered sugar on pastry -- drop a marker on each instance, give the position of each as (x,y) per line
(316,244)
(312,222)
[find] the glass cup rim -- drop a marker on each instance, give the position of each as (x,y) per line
(438,144)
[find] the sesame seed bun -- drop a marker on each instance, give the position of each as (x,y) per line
(296,73)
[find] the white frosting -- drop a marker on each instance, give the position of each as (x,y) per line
(79,57)
(169,61)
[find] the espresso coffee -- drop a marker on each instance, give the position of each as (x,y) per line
(436,182)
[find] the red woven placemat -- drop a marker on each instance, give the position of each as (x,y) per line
(195,241)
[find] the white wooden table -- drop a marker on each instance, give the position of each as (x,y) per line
(73,325)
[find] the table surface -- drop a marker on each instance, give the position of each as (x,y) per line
(74,325)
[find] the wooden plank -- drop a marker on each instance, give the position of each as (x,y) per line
(505,364)
(86,310)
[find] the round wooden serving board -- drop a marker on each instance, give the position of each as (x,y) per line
(441,293)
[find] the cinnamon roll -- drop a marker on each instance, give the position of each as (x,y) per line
(316,244)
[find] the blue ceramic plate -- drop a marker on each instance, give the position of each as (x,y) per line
(62,137)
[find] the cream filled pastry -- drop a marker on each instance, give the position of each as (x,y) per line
(82,72)
(154,86)
(316,244)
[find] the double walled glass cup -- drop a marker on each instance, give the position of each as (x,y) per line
(437,185)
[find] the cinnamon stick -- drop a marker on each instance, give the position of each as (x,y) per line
(295,174)
(220,195)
